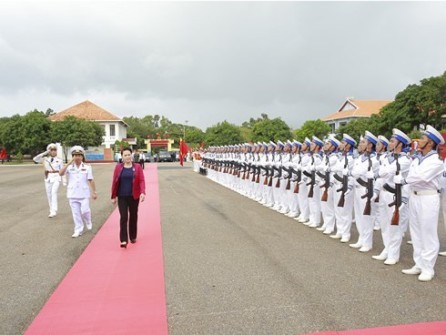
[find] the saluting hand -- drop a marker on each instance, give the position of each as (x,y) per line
(142,197)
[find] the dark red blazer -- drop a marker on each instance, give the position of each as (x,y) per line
(139,183)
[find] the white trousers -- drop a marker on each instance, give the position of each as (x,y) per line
(51,187)
(344,215)
(392,235)
(327,209)
(364,223)
(80,208)
(314,204)
(303,201)
(293,198)
(423,221)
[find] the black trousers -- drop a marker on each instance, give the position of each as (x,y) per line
(128,209)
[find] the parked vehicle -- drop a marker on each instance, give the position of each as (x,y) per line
(164,156)
(148,156)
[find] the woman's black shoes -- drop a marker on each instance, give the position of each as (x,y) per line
(123,244)
(133,241)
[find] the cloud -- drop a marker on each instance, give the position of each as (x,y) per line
(206,62)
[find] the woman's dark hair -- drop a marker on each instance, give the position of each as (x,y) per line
(126,149)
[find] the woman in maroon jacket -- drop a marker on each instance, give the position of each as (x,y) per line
(129,187)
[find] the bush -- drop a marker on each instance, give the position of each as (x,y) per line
(19,157)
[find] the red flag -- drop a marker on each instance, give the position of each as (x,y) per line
(183,151)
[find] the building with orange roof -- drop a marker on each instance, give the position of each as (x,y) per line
(114,127)
(352,109)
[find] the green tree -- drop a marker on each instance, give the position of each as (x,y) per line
(73,131)
(139,127)
(312,127)
(194,136)
(271,130)
(27,134)
(416,105)
(250,124)
(223,133)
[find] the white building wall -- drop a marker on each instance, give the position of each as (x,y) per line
(120,133)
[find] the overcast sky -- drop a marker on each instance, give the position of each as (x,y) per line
(206,62)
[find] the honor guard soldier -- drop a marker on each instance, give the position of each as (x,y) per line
(393,218)
(295,175)
(257,188)
(51,164)
(381,155)
(277,167)
(314,194)
(443,200)
(364,171)
(344,185)
(79,189)
(303,165)
(270,166)
(325,172)
(424,179)
(263,180)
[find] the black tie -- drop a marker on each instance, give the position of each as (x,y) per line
(52,160)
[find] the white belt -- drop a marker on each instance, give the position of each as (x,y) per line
(426,192)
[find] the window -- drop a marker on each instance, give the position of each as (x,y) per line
(112,130)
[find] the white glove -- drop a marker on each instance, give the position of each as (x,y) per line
(374,196)
(370,175)
(312,167)
(402,206)
(345,172)
(348,191)
(398,179)
(322,183)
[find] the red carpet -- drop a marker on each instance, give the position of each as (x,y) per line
(425,328)
(110,290)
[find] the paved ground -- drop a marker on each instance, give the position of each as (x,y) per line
(232,266)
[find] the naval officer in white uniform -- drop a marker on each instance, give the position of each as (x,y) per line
(80,186)
(424,179)
(51,164)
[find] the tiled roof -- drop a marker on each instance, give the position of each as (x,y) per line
(357,108)
(86,110)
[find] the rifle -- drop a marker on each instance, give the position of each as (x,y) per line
(369,194)
(398,197)
(265,182)
(278,176)
(254,169)
(270,181)
(313,179)
(271,169)
(288,184)
(258,170)
(326,177)
(326,185)
(344,187)
(289,171)
(298,175)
